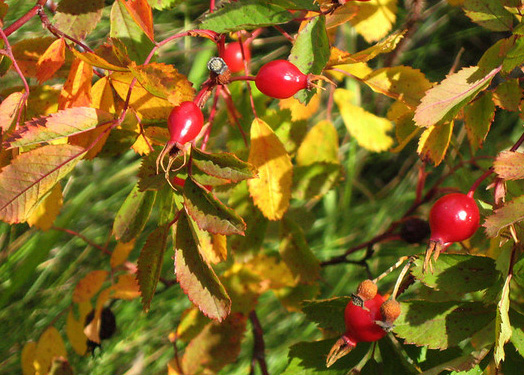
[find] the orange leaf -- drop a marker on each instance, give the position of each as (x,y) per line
(126,288)
(141,12)
(49,346)
(46,212)
(27,52)
(92,330)
(89,286)
(121,253)
(271,191)
(77,89)
(52,59)
(28,358)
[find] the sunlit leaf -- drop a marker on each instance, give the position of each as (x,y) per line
(434,142)
(89,286)
(49,345)
(508,95)
(150,263)
(52,59)
(133,215)
(503,326)
(24,183)
(319,145)
(370,131)
(271,191)
(243,287)
(511,213)
(46,212)
(75,327)
(27,358)
(490,14)
(301,111)
(57,125)
(213,247)
(100,62)
(9,109)
(77,88)
(223,165)
(27,52)
(478,116)
(443,101)
(125,288)
(341,15)
(510,165)
(120,253)
(196,277)
(141,12)
(273,273)
(375,19)
(78,18)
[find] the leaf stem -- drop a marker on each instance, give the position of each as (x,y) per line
(259,345)
(84,238)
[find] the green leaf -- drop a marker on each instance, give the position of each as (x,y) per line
(295,4)
(440,325)
(209,213)
(509,165)
(490,14)
(460,364)
(31,175)
(309,358)
(310,52)
(511,213)
(78,18)
(445,100)
(149,264)
(133,215)
(197,279)
(314,180)
(245,15)
(223,165)
(518,271)
(327,313)
(291,133)
(458,273)
(148,179)
(124,27)
(61,124)
(478,116)
(297,254)
(164,4)
(394,358)
(502,323)
(517,328)
(508,95)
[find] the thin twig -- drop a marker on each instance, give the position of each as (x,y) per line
(259,345)
(84,238)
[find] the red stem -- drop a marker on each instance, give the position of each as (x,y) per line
(84,238)
(22,20)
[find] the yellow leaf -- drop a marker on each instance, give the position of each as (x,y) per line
(455,2)
(142,101)
(271,191)
(375,19)
(52,59)
(46,212)
(89,286)
(92,330)
(212,246)
(358,70)
(27,52)
(42,101)
(434,142)
(369,130)
(273,273)
(125,288)
(341,15)
(142,145)
(102,95)
(28,358)
(173,368)
(121,252)
(319,145)
(77,89)
(300,111)
(75,327)
(9,110)
(49,345)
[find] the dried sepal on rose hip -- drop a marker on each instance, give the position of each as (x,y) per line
(453,218)
(281,79)
(366,290)
(390,311)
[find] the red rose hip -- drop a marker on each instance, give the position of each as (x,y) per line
(184,123)
(233,56)
(280,79)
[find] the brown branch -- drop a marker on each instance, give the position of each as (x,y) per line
(259,345)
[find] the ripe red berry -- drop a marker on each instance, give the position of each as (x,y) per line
(233,56)
(361,322)
(280,79)
(453,218)
(184,123)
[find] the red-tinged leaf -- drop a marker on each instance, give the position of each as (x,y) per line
(296,253)
(52,59)
(434,142)
(9,109)
(216,346)
(445,100)
(100,62)
(508,95)
(510,165)
(150,264)
(196,277)
(223,165)
(77,89)
(511,213)
(271,191)
(62,124)
(490,14)
(478,116)
(164,81)
(209,213)
(89,286)
(141,12)
(27,52)
(30,176)
(78,18)
(133,215)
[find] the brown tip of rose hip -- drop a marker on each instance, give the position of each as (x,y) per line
(390,311)
(367,290)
